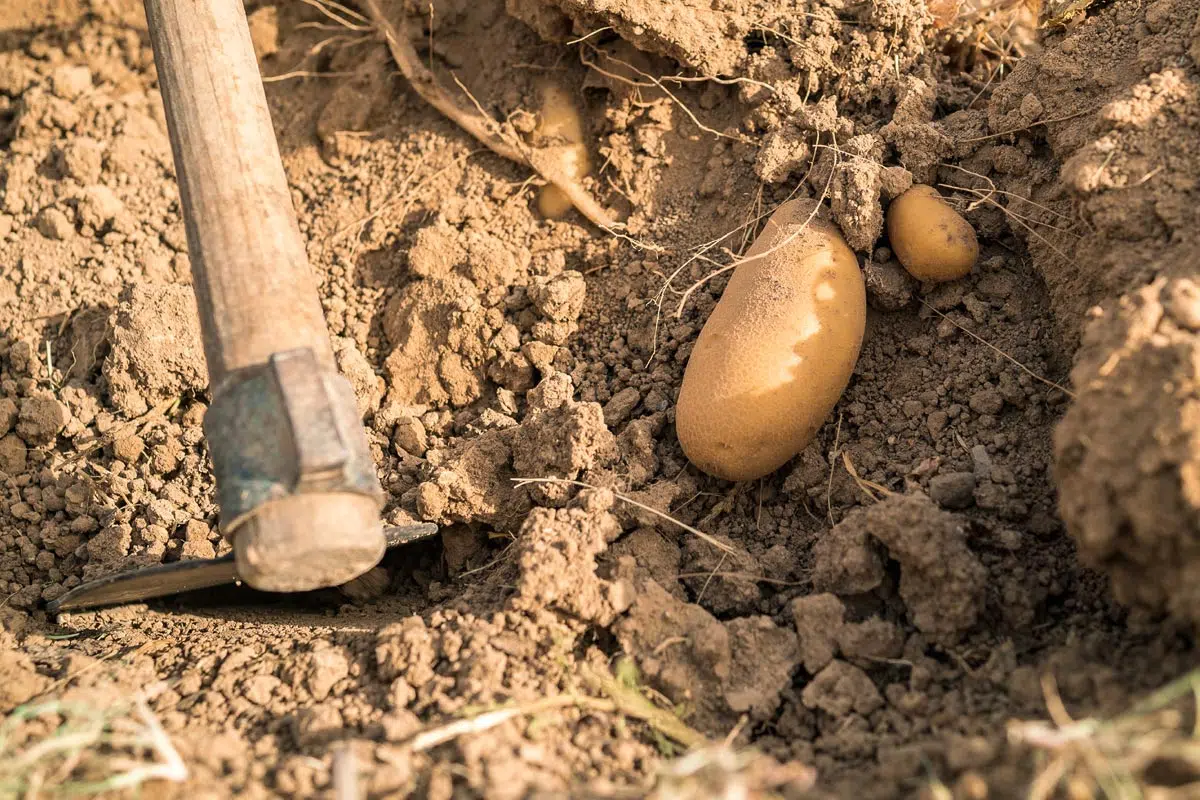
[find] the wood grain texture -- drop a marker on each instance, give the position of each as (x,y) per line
(256,293)
(255,290)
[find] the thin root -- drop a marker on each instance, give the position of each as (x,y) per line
(717,543)
(482,127)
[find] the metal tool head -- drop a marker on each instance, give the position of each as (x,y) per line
(165,580)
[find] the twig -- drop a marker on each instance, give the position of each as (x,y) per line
(345,773)
(632,703)
(1000,352)
(769,251)
(481,126)
(304,73)
(429,739)
(833,453)
(661,515)
(1030,125)
(653,81)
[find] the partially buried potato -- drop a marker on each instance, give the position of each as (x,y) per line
(777,351)
(931,240)
(560,132)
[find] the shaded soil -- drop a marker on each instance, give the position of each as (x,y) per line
(877,610)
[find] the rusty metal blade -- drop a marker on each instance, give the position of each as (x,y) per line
(165,580)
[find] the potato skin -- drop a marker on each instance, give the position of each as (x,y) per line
(931,240)
(560,129)
(777,351)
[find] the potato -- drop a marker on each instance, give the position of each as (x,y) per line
(560,131)
(931,239)
(777,351)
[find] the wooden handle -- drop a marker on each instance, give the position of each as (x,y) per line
(255,291)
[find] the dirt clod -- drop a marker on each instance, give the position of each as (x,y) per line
(872,617)
(156,353)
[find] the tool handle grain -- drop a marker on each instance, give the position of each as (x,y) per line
(254,288)
(255,291)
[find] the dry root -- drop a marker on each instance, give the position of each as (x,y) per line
(482,127)
(1116,758)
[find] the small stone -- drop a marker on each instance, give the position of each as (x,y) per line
(841,688)
(409,435)
(987,401)
(954,490)
(53,224)
(819,618)
(41,418)
(128,448)
(620,406)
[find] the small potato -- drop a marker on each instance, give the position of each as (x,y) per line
(560,131)
(931,239)
(777,351)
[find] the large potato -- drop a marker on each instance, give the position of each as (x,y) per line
(777,351)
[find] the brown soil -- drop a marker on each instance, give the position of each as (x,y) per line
(877,611)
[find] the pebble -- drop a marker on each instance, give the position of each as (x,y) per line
(987,401)
(53,224)
(41,418)
(818,619)
(955,490)
(982,462)
(621,405)
(409,435)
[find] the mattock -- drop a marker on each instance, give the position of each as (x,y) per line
(296,485)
